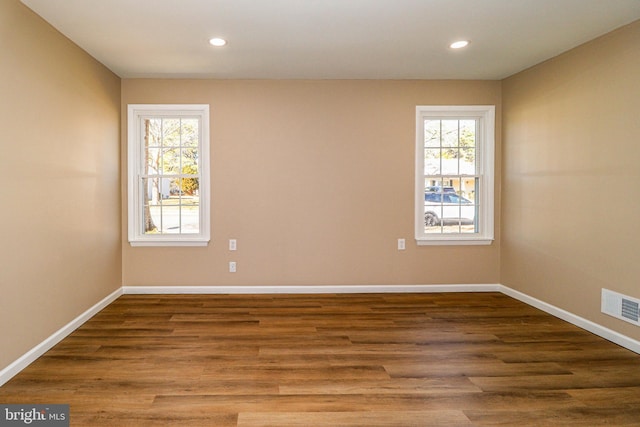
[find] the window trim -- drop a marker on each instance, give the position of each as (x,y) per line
(135,148)
(486,165)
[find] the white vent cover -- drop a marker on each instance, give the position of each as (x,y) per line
(621,306)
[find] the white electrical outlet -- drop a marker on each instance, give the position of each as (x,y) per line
(233,245)
(232,267)
(401,245)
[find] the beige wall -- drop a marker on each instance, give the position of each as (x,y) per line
(60,250)
(315,179)
(571,180)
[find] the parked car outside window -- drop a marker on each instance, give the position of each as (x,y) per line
(438,189)
(443,208)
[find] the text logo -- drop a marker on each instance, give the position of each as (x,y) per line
(34,415)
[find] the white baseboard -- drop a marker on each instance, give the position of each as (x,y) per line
(329,289)
(10,371)
(601,331)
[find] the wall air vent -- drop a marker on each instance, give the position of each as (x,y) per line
(621,306)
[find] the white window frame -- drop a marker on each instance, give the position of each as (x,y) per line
(485,152)
(136,114)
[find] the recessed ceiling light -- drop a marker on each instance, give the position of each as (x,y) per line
(459,44)
(218,42)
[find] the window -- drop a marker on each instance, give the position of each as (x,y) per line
(454,174)
(168,175)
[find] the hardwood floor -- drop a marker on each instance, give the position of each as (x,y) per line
(474,359)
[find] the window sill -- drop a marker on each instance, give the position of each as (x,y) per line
(453,241)
(170,242)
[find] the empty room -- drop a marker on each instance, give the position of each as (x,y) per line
(320,213)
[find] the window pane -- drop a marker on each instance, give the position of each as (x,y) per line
(154,129)
(148,223)
(171,161)
(468,188)
(190,132)
(166,210)
(450,133)
(153,189)
(173,197)
(468,161)
(190,161)
(152,205)
(191,215)
(170,132)
(164,187)
(450,165)
(170,219)
(151,218)
(446,210)
(432,133)
(153,161)
(432,161)
(190,187)
(432,212)
(467,133)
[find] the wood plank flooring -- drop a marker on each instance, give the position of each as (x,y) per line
(468,359)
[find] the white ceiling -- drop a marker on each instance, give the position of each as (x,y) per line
(330,39)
